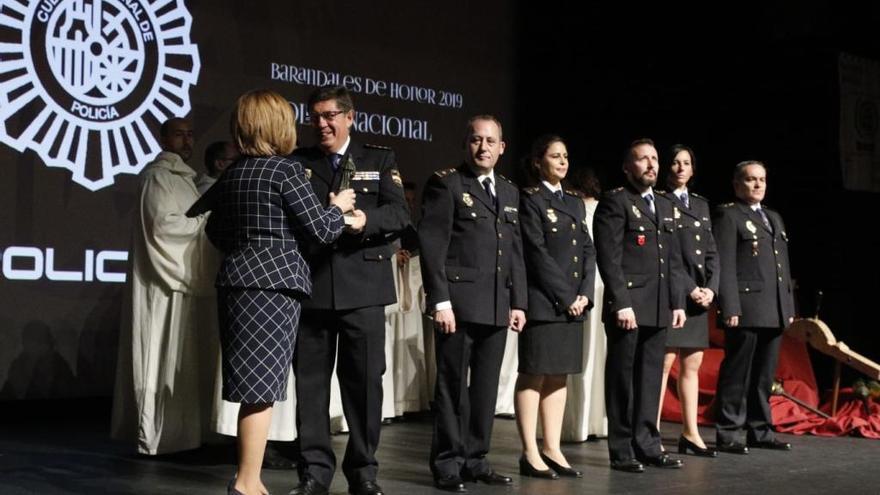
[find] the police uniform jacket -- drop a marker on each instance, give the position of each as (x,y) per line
(638,257)
(559,253)
(471,251)
(355,270)
(698,250)
(755,273)
(258,205)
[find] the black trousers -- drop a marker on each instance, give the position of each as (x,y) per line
(744,384)
(633,374)
(464,413)
(360,334)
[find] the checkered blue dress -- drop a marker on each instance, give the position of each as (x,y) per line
(261,207)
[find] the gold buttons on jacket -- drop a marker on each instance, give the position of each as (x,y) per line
(699,252)
(575,259)
(574,242)
(697,237)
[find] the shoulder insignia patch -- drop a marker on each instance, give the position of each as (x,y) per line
(395,177)
(504,178)
(726,205)
(531,190)
(446,171)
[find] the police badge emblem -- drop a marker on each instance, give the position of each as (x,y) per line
(551,215)
(467,200)
(636,212)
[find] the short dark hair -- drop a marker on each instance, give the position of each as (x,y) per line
(212,152)
(482,116)
(738,170)
(627,155)
(585,180)
(165,128)
(338,93)
(539,148)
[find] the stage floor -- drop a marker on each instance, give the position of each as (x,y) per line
(66,450)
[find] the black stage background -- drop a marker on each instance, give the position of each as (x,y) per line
(752,83)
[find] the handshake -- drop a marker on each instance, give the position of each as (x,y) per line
(355,219)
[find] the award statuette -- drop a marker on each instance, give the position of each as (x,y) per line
(348,170)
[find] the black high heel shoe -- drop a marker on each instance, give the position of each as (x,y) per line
(526,469)
(560,469)
(684,445)
(230,489)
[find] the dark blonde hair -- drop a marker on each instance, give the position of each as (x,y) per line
(264,124)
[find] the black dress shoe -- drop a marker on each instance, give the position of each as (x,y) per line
(661,461)
(309,486)
(560,469)
(684,445)
(450,483)
(368,487)
(770,444)
(526,469)
(628,465)
(732,448)
(492,478)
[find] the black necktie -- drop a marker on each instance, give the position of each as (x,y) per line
(487,185)
(559,194)
(649,198)
(684,199)
(335,158)
(765,219)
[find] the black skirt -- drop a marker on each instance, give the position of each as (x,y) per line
(694,334)
(552,348)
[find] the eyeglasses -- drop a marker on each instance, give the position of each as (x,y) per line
(328,116)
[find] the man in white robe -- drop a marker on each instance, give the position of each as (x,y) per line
(168,339)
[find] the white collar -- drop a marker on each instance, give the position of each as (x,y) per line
(490,175)
(678,192)
(344,148)
(551,187)
(649,191)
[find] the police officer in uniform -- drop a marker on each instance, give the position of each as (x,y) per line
(351,285)
(475,284)
(640,262)
(756,305)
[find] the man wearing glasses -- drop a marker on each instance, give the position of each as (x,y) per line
(351,285)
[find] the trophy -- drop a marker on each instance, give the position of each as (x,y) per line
(348,171)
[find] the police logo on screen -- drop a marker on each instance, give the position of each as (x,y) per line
(83,81)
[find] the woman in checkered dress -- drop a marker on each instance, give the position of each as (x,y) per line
(262,206)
